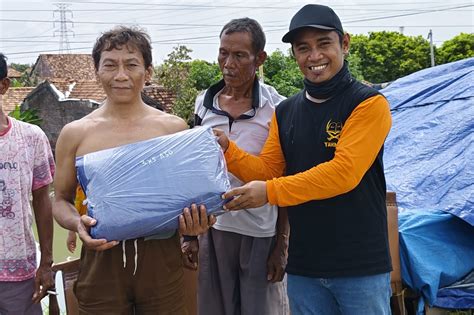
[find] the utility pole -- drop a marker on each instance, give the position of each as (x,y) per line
(430,36)
(63,29)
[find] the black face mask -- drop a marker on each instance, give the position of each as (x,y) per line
(331,87)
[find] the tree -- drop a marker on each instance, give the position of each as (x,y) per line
(20,67)
(282,72)
(16,83)
(174,75)
(355,66)
(204,74)
(386,56)
(458,48)
(175,69)
(25,79)
(30,115)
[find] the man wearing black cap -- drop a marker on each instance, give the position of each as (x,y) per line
(328,142)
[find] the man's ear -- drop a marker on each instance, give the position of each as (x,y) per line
(148,74)
(4,85)
(261,57)
(346,44)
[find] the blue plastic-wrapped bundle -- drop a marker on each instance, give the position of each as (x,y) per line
(140,189)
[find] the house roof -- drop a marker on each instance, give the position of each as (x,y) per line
(92,90)
(84,89)
(162,95)
(65,66)
(88,90)
(13,97)
(14,74)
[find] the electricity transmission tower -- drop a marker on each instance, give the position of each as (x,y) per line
(63,27)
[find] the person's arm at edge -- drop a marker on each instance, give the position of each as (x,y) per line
(361,139)
(65,184)
(277,261)
(269,164)
(44,222)
(65,181)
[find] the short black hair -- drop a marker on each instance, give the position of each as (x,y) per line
(250,26)
(122,36)
(3,67)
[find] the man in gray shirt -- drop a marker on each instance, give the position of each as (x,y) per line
(242,258)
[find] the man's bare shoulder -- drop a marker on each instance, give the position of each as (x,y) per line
(79,127)
(168,122)
(73,132)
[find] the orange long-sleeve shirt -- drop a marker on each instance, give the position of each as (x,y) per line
(79,201)
(361,139)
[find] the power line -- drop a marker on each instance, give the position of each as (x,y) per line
(18,39)
(14,40)
(107,23)
(219,25)
(186,6)
(408,14)
(271,7)
(199,28)
(194,9)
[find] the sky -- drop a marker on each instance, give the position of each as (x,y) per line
(31,27)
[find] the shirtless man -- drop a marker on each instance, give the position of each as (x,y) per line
(123,63)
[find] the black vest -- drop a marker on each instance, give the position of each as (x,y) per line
(345,235)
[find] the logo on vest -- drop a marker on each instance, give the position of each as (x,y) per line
(333,129)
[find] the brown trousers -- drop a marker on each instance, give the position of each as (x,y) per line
(105,286)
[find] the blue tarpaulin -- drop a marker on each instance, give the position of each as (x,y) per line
(436,250)
(428,160)
(140,189)
(429,152)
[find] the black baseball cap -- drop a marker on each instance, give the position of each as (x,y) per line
(316,16)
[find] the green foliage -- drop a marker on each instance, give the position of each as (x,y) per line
(203,74)
(16,83)
(386,56)
(20,67)
(175,69)
(378,57)
(25,79)
(174,75)
(355,66)
(29,115)
(458,48)
(282,72)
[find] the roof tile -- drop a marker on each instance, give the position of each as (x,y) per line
(13,97)
(14,74)
(65,66)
